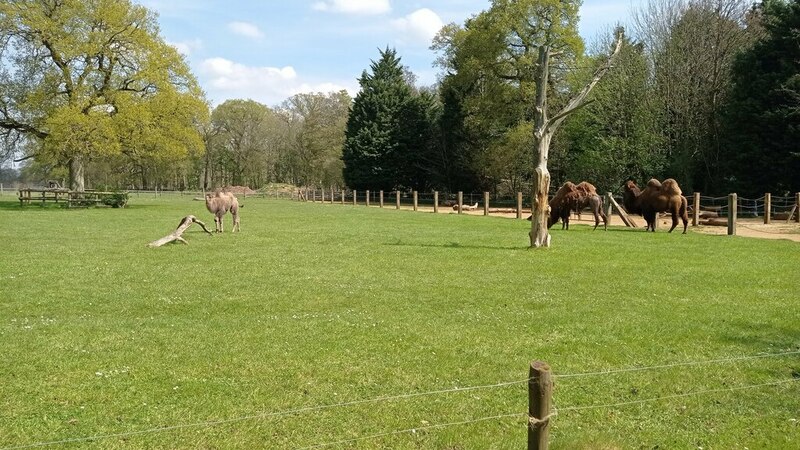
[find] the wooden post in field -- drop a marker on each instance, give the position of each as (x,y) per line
(540,398)
(607,205)
(732,204)
(367,199)
(460,201)
(1,189)
(416,199)
(355,197)
(381,198)
(333,191)
(796,207)
(519,205)
(695,209)
(767,208)
(397,198)
(314,196)
(485,203)
(435,201)
(323,195)
(343,194)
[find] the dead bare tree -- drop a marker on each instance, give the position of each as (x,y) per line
(545,127)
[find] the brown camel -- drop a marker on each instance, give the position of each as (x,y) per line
(571,197)
(219,204)
(657,197)
(560,205)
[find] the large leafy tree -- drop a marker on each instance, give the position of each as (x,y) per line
(384,128)
(316,127)
(84,79)
(763,114)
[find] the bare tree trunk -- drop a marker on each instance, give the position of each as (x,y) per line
(540,209)
(77,174)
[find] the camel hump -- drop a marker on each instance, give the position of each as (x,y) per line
(653,183)
(586,187)
(670,187)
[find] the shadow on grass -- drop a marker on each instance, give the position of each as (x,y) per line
(455,245)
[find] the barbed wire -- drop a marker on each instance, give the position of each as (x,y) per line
(265,415)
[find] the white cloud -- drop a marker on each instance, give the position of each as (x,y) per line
(361,7)
(419,26)
(225,79)
(246,29)
(187,47)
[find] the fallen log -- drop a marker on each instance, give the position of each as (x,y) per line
(185,223)
(709,215)
(715,222)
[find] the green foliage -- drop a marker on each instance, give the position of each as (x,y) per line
(116,199)
(617,136)
(489,89)
(386,127)
(763,114)
(272,320)
(93,79)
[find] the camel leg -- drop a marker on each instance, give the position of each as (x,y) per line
(236,225)
(674,220)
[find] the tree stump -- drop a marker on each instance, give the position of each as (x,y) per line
(176,235)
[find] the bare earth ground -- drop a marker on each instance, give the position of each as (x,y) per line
(755,228)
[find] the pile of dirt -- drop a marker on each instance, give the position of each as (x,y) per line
(239,190)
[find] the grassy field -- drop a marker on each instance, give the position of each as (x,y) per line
(315,305)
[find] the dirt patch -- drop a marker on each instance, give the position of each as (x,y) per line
(239,190)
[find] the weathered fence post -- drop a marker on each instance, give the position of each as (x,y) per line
(767,208)
(732,206)
(695,209)
(460,201)
(416,199)
(333,192)
(323,195)
(397,198)
(540,397)
(381,198)
(314,196)
(796,207)
(367,200)
(343,194)
(435,202)
(485,203)
(519,205)
(608,205)
(355,197)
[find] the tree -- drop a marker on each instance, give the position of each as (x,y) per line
(82,79)
(383,128)
(317,124)
(762,119)
(240,147)
(691,46)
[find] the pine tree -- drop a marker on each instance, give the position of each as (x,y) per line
(388,130)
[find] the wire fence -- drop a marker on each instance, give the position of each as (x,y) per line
(453,390)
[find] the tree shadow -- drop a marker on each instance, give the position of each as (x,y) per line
(455,245)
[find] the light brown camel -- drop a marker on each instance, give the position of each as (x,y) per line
(219,204)
(655,198)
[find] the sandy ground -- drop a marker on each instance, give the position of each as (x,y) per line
(755,228)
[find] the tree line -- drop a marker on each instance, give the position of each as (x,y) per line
(703,91)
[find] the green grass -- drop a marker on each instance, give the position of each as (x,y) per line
(320,304)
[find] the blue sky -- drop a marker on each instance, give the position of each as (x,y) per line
(271,49)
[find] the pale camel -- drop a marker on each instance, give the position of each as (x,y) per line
(219,204)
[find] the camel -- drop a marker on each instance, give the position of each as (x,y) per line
(219,204)
(571,197)
(657,197)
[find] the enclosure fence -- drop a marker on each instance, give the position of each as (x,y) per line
(538,417)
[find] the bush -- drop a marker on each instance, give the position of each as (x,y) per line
(116,199)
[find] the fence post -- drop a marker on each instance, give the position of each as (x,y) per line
(485,203)
(333,194)
(435,201)
(344,192)
(797,207)
(519,205)
(1,189)
(732,204)
(416,199)
(767,208)
(397,198)
(323,195)
(381,198)
(695,209)
(367,198)
(355,197)
(460,201)
(540,397)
